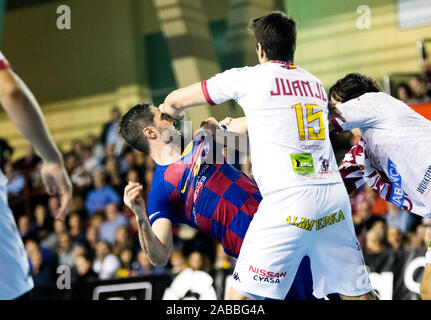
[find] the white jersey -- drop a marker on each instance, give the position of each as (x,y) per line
(15,276)
(397,141)
(286,110)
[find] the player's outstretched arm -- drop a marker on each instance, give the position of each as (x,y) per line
(181,99)
(156,241)
(24,112)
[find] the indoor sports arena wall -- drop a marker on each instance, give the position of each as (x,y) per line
(135,51)
(354,36)
(394,275)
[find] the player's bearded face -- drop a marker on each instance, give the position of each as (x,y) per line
(171,136)
(168,131)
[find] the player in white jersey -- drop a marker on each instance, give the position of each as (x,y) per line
(396,138)
(305,209)
(23,110)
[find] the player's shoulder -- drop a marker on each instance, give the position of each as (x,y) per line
(377,95)
(241,71)
(234,74)
(159,178)
(259,70)
(375,99)
(254,68)
(158,189)
(300,70)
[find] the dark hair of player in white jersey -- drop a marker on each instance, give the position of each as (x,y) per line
(352,86)
(276,33)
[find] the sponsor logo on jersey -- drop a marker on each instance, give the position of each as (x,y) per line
(194,216)
(153,215)
(199,184)
(324,164)
(397,193)
(425,182)
(263,275)
(313,147)
(302,163)
(319,224)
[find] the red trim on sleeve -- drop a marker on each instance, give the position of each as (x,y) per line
(4,64)
(206,93)
(336,125)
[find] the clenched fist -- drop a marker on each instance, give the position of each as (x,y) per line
(132,199)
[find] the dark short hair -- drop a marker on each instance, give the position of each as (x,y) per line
(132,125)
(353,86)
(276,33)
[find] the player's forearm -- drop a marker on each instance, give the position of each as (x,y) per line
(238,130)
(24,111)
(238,125)
(181,99)
(157,252)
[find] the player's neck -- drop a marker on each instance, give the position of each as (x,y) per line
(166,154)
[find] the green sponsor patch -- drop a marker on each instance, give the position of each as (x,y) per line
(302,163)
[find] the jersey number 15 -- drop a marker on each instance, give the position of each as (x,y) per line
(311,117)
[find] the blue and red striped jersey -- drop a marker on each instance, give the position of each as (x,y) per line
(215,198)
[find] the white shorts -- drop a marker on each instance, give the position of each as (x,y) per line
(314,221)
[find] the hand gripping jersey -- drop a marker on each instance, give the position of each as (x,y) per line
(15,277)
(215,198)
(286,110)
(357,169)
(397,141)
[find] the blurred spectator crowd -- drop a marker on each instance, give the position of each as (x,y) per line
(99,240)
(417,88)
